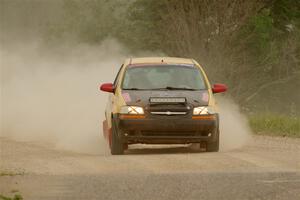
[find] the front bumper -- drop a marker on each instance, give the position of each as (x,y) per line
(167,130)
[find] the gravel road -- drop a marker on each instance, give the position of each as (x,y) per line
(267,168)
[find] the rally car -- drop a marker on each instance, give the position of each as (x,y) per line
(161,100)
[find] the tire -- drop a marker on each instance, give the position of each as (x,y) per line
(213,146)
(117,146)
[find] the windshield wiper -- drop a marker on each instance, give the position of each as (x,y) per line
(134,89)
(164,88)
(131,89)
(174,88)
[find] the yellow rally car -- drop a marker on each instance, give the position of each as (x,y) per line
(161,100)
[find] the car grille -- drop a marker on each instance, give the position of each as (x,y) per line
(168,113)
(169,109)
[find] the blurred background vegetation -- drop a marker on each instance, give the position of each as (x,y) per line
(253,46)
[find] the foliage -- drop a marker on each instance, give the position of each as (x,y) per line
(251,46)
(142,29)
(248,45)
(271,48)
(87,21)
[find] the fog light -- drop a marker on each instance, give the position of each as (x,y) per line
(132,110)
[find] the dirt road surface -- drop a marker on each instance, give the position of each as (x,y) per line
(267,168)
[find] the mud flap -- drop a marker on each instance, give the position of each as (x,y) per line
(107,132)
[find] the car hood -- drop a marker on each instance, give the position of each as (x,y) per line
(141,97)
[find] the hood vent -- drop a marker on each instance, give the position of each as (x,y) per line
(167,100)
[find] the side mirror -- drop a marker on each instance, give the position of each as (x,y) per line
(107,87)
(218,88)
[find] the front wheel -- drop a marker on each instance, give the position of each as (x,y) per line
(117,146)
(213,146)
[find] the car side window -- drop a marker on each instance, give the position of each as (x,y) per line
(118,74)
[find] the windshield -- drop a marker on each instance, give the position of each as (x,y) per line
(163,77)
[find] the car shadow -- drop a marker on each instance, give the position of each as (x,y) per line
(162,149)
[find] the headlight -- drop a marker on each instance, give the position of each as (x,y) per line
(132,110)
(203,110)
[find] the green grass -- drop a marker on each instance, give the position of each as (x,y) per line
(276,125)
(15,197)
(8,173)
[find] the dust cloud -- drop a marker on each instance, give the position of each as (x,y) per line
(234,128)
(52,97)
